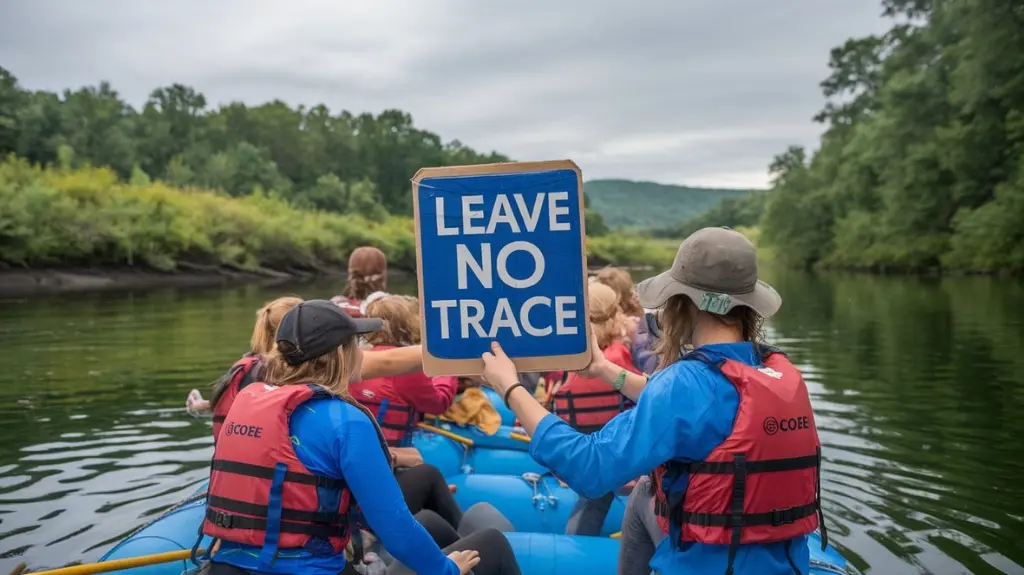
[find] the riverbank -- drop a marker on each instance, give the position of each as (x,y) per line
(83,229)
(16,283)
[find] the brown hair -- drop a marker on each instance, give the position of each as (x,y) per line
(677,319)
(264,336)
(367,272)
(331,371)
(401,321)
(619,280)
(268,317)
(606,316)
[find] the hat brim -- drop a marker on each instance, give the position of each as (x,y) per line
(367,324)
(654,292)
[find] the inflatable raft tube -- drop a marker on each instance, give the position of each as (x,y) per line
(507,436)
(532,502)
(453,458)
(537,553)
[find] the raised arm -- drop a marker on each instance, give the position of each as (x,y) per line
(433,395)
(391,362)
(369,476)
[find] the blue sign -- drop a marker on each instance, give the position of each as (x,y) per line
(502,257)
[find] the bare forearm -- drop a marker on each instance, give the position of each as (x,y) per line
(527,409)
(609,373)
(389,362)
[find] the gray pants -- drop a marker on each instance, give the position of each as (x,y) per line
(640,531)
(588,515)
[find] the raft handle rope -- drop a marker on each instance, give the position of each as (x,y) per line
(534,479)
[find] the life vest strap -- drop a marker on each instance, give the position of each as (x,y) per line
(774,518)
(597,409)
(246,508)
(262,472)
(592,394)
(232,521)
(763,466)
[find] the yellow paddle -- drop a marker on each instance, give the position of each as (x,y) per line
(454,437)
(119,564)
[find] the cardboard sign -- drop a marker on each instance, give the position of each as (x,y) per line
(501,255)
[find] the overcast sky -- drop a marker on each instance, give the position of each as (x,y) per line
(700,92)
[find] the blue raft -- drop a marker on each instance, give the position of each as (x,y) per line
(497,454)
(537,553)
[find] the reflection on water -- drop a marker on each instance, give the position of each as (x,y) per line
(917,384)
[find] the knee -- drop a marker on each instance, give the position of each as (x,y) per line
(433,474)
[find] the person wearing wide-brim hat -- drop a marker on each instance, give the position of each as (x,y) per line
(725,510)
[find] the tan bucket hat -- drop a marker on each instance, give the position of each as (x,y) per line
(717,269)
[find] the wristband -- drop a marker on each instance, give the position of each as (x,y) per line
(509,391)
(620,381)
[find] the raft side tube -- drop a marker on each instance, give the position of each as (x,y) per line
(542,510)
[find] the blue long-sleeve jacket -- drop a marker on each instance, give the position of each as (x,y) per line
(335,439)
(683,413)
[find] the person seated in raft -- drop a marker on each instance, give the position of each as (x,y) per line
(299,461)
(587,403)
(247,369)
(367,273)
(727,429)
(641,339)
(399,401)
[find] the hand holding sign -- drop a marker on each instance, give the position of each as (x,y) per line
(499,372)
(502,256)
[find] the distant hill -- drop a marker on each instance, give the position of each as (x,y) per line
(630,204)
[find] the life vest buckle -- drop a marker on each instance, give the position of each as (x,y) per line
(220,519)
(782,517)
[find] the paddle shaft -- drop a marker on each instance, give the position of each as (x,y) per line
(119,564)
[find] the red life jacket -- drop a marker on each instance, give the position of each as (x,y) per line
(587,403)
(350,306)
(396,418)
(260,494)
(241,374)
(760,485)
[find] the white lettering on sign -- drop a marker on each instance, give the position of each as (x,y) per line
(476,264)
(474,222)
(471,314)
(562,314)
(554,210)
(481,268)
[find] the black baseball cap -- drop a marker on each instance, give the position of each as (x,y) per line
(315,327)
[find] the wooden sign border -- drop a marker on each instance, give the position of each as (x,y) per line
(435,366)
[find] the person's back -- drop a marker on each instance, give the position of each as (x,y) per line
(400,401)
(691,380)
(300,464)
(726,432)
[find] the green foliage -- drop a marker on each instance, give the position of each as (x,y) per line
(922,164)
(736,212)
(629,249)
(176,138)
(89,217)
(647,205)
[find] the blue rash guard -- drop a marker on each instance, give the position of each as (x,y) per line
(684,412)
(335,439)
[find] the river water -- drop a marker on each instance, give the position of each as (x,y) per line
(918,386)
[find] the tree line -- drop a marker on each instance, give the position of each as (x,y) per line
(922,163)
(921,166)
(312,157)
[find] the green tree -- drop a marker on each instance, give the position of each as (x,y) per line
(920,166)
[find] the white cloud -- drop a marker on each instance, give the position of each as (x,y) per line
(701,92)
